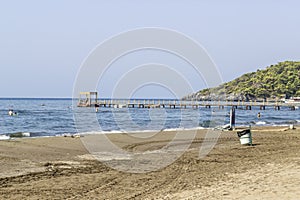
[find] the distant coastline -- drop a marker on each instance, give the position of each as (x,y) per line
(276,82)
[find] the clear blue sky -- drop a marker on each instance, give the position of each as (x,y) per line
(43,43)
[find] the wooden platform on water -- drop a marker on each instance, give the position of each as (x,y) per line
(172,104)
(90,99)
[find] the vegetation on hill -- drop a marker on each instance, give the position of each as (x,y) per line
(276,81)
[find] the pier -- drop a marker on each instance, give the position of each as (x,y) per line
(90,99)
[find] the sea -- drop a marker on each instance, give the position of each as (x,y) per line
(53,117)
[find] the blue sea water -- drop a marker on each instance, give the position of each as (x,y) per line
(50,117)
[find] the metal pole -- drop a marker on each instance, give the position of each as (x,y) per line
(232,118)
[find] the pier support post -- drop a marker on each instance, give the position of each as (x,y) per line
(221,107)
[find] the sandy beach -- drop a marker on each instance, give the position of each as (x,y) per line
(62,168)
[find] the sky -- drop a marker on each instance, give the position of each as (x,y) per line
(44,43)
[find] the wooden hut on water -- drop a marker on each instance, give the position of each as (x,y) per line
(88,99)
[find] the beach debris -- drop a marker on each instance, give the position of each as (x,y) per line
(231,125)
(72,135)
(4,137)
(20,134)
(49,166)
(27,134)
(55,166)
(75,136)
(225,127)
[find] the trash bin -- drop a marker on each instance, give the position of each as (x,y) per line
(245,136)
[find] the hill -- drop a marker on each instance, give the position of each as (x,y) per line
(276,81)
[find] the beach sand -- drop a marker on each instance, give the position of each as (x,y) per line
(62,168)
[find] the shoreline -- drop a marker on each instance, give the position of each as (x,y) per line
(61,167)
(253,128)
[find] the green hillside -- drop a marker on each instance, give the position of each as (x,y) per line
(276,81)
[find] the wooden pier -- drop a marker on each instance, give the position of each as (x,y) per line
(90,99)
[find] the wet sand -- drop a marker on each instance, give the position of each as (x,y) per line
(62,168)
